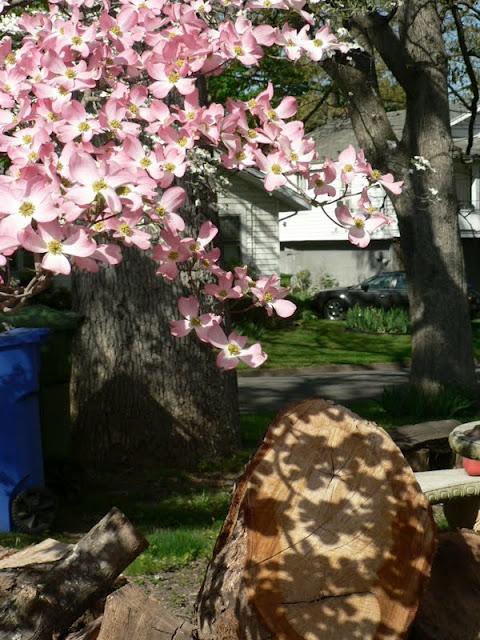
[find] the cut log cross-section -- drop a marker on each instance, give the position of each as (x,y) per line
(328,536)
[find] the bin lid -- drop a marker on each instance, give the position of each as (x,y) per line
(16,337)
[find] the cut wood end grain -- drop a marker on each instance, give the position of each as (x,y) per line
(328,536)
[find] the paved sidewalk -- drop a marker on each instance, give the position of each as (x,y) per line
(273,390)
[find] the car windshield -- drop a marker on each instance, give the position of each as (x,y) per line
(382,281)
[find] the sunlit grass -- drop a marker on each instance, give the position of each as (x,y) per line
(319,342)
(315,342)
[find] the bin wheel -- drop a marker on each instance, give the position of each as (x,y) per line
(33,510)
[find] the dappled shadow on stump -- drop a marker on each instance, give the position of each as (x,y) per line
(327,537)
(449,609)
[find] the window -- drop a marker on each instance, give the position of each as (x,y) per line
(384,281)
(401,282)
(230,232)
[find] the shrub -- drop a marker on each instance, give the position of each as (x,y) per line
(374,320)
(327,281)
(301,281)
(409,401)
(285,279)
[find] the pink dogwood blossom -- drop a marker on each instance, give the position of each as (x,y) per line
(200,323)
(101,116)
(271,296)
(359,225)
(51,240)
(233,349)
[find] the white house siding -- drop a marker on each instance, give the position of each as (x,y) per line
(340,261)
(317,224)
(461,125)
(309,240)
(258,213)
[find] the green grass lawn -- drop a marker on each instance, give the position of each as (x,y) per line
(180,513)
(319,342)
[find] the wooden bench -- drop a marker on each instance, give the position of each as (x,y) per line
(454,488)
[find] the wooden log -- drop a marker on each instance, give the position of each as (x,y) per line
(45,588)
(89,632)
(425,445)
(328,536)
(449,607)
(417,436)
(131,614)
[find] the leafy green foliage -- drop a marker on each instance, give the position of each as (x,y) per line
(409,402)
(285,279)
(374,320)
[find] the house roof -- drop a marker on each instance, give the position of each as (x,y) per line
(288,198)
(334,136)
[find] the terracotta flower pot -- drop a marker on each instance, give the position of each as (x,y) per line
(472,467)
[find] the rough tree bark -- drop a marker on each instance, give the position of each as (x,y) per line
(328,536)
(45,588)
(414,51)
(137,392)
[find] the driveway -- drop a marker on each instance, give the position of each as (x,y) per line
(272,392)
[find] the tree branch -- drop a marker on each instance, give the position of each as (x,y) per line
(380,33)
(14,5)
(319,103)
(367,111)
(470,72)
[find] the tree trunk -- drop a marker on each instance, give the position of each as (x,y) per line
(45,588)
(442,347)
(414,52)
(328,536)
(137,392)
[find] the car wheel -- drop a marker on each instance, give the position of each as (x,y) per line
(334,309)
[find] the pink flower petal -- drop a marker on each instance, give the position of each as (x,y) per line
(32,241)
(173,198)
(83,168)
(284,308)
(254,356)
(180,328)
(359,237)
(188,306)
(207,232)
(217,337)
(343,215)
(79,244)
(226,362)
(58,263)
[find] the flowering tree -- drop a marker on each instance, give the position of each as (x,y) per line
(100,116)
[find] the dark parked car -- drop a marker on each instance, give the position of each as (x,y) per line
(386,290)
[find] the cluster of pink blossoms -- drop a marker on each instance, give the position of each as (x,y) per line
(95,145)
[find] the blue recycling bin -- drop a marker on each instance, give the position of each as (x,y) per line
(21,459)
